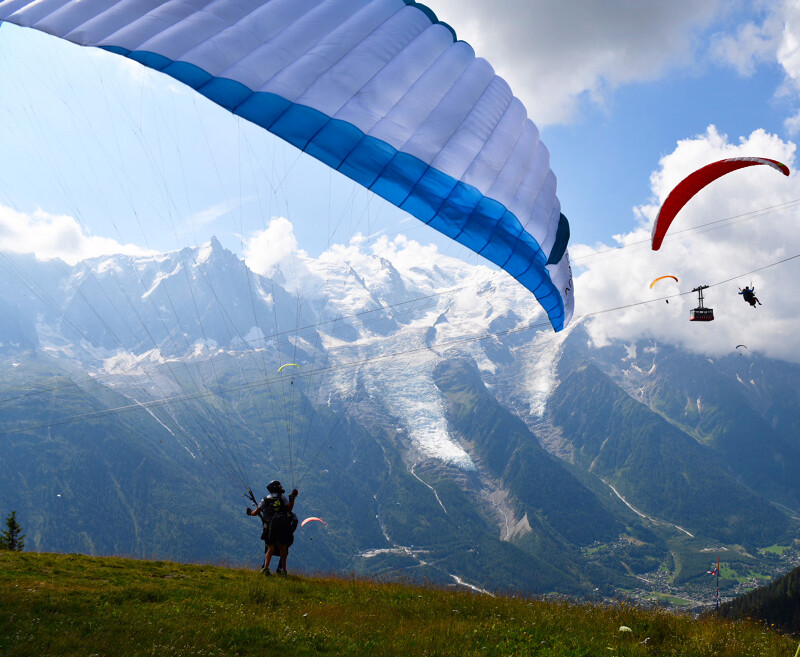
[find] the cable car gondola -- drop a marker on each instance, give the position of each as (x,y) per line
(701,314)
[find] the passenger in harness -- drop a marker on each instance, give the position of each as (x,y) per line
(279,523)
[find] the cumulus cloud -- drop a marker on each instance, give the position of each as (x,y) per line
(266,249)
(554,53)
(354,276)
(775,39)
(792,124)
(751,45)
(759,210)
(50,236)
(789,48)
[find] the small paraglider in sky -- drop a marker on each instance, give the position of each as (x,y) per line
(291,372)
(740,348)
(661,278)
(694,182)
(313,519)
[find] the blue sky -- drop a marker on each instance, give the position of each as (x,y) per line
(610,152)
(98,151)
(606,131)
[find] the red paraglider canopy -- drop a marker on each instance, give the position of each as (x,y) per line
(694,182)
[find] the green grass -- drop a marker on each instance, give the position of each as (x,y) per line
(77,605)
(728,573)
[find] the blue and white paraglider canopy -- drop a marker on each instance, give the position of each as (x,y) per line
(378,89)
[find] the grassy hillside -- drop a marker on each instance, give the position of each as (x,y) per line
(77,605)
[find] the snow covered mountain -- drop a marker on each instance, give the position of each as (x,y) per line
(430,393)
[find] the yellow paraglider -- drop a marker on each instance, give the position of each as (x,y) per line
(289,365)
(675,278)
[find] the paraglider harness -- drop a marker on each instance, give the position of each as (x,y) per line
(278,523)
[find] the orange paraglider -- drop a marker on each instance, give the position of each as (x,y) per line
(674,278)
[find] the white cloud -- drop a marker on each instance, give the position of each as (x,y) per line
(751,45)
(767,205)
(776,39)
(50,236)
(789,48)
(268,248)
(553,53)
(205,217)
(334,274)
(792,124)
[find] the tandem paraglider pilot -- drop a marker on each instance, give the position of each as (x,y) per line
(749,295)
(279,523)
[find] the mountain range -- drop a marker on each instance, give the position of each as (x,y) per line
(422,406)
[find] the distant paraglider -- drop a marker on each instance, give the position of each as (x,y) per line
(738,346)
(313,519)
(694,182)
(291,372)
(660,278)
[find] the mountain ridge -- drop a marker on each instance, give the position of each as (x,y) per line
(426,395)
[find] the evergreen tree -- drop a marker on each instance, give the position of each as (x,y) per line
(12,538)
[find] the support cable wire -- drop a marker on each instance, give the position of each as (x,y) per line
(230,325)
(159,164)
(234,459)
(66,191)
(230,475)
(700,228)
(258,342)
(230,459)
(277,410)
(394,354)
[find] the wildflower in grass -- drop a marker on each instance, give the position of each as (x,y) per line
(625,628)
